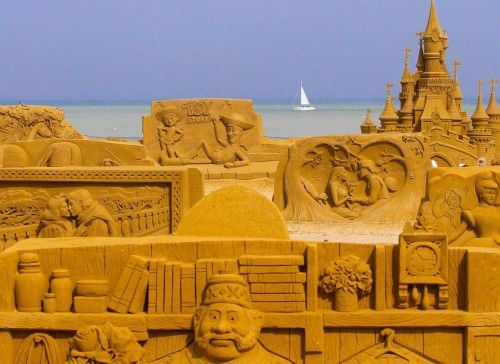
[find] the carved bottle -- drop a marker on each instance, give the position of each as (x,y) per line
(62,287)
(30,284)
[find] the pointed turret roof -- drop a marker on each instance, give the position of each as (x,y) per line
(433,22)
(479,114)
(453,111)
(420,61)
(389,112)
(493,109)
(406,78)
(368,120)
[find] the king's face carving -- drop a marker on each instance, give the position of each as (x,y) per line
(224,331)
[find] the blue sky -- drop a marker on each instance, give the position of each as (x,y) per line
(142,50)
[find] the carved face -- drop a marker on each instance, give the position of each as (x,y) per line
(225,331)
(233,133)
(488,195)
(63,208)
(169,119)
(74,206)
(363,172)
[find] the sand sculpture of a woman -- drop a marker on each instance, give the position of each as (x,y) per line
(484,219)
(230,153)
(341,197)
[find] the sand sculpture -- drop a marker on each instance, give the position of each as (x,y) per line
(238,299)
(342,178)
(431,103)
(103,262)
(88,202)
(40,136)
(225,132)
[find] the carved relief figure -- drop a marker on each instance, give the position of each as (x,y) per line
(105,344)
(55,221)
(484,219)
(169,134)
(92,219)
(341,178)
(231,154)
(226,328)
(62,154)
(376,188)
(340,190)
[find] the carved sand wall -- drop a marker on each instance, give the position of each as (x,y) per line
(152,287)
(341,178)
(52,203)
(202,131)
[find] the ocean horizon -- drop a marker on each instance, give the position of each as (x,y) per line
(123,118)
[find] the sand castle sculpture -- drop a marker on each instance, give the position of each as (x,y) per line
(431,103)
(129,263)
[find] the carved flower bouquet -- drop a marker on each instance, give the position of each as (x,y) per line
(350,278)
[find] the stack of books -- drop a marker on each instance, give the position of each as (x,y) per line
(276,282)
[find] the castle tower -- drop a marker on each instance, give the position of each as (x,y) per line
(435,45)
(420,61)
(406,113)
(493,112)
(368,126)
(389,118)
(480,132)
(406,80)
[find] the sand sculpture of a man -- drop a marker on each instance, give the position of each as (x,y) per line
(226,328)
(231,154)
(92,219)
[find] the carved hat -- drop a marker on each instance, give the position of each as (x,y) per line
(227,288)
(236,119)
(170,109)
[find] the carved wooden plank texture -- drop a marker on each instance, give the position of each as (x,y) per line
(312,277)
(457,278)
(314,336)
(444,345)
(483,280)
(354,341)
(379,277)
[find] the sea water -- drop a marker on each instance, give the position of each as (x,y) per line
(278,118)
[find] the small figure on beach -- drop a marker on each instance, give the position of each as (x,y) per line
(231,154)
(169,135)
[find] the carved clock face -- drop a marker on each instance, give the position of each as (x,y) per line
(423,259)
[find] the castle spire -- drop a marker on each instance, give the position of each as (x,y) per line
(389,117)
(406,78)
(368,125)
(420,61)
(433,25)
(480,117)
(493,110)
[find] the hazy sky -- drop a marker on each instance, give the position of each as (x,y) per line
(143,50)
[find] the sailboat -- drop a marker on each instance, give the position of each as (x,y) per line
(304,102)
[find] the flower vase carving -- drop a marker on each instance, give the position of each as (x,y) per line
(350,278)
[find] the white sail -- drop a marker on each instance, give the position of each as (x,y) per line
(304,101)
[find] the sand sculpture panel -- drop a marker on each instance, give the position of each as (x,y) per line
(188,299)
(82,202)
(463,204)
(226,132)
(40,136)
(367,178)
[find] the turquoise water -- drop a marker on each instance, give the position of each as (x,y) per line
(279,119)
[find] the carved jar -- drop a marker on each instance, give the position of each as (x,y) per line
(62,287)
(346,301)
(49,303)
(30,284)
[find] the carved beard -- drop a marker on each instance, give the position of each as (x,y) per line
(242,343)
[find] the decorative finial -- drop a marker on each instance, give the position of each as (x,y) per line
(407,54)
(420,36)
(480,84)
(455,64)
(493,82)
(369,113)
(388,89)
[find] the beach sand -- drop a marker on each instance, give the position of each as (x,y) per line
(349,232)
